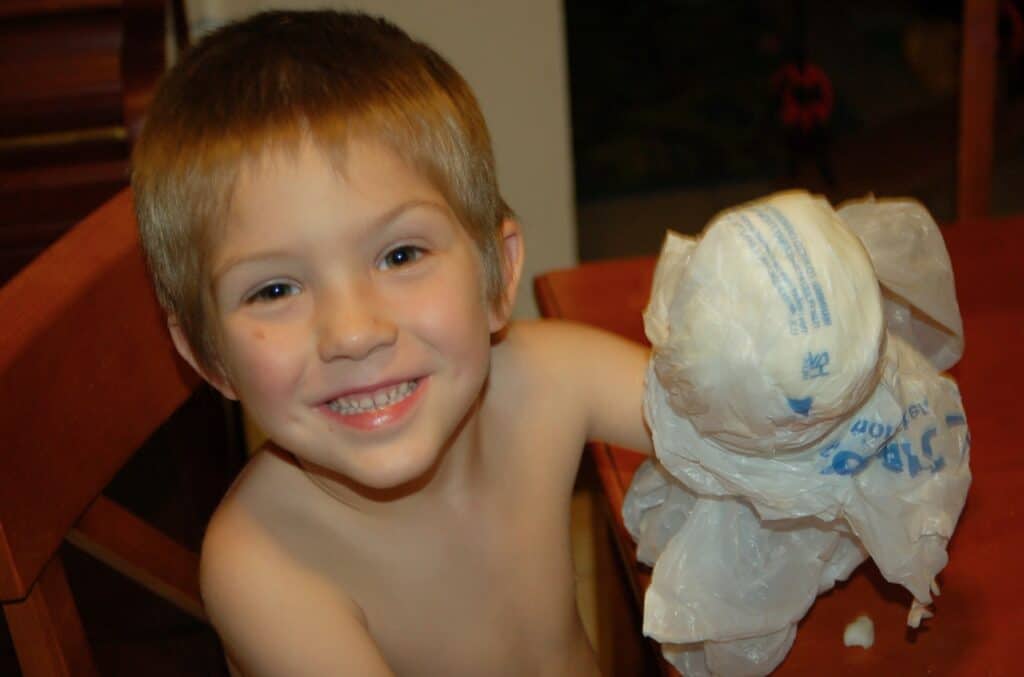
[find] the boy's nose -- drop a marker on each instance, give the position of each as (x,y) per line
(353,325)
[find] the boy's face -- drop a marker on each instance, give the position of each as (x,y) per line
(354,325)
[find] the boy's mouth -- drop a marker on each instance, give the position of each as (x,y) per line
(373,400)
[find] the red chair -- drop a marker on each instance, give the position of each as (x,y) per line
(977,109)
(87,373)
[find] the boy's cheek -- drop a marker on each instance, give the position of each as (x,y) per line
(455,317)
(261,364)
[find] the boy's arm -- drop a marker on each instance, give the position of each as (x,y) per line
(274,617)
(605,375)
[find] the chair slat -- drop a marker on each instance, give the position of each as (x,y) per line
(47,636)
(132,547)
(77,324)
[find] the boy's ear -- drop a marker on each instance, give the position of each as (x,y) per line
(181,344)
(511,269)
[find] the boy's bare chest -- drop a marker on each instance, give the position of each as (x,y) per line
(486,589)
(493,593)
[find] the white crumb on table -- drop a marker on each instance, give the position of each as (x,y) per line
(861,632)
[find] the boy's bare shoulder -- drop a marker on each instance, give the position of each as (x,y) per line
(578,370)
(533,367)
(275,613)
(548,349)
(561,354)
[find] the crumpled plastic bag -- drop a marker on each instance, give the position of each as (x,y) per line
(800,422)
(913,266)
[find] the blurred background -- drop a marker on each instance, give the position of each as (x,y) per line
(612,122)
(678,109)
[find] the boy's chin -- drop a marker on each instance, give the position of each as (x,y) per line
(384,478)
(396,479)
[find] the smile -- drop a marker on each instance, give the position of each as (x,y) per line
(374,400)
(377,409)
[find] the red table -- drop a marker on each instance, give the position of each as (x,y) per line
(978,628)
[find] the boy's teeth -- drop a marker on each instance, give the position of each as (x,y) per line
(369,401)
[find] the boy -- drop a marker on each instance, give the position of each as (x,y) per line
(317,200)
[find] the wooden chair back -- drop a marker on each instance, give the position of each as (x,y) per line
(976,137)
(87,373)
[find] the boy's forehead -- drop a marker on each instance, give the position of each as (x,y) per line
(365,179)
(359,161)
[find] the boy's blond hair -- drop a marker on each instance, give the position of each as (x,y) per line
(270,82)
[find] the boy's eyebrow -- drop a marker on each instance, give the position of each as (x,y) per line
(397,211)
(382,220)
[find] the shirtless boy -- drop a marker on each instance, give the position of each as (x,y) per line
(317,200)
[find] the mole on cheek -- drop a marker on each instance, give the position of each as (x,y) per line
(258,334)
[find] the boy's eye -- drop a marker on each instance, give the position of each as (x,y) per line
(400,256)
(272,292)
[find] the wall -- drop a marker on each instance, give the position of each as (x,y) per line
(513,54)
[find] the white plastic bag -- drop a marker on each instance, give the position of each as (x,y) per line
(795,435)
(779,302)
(910,259)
